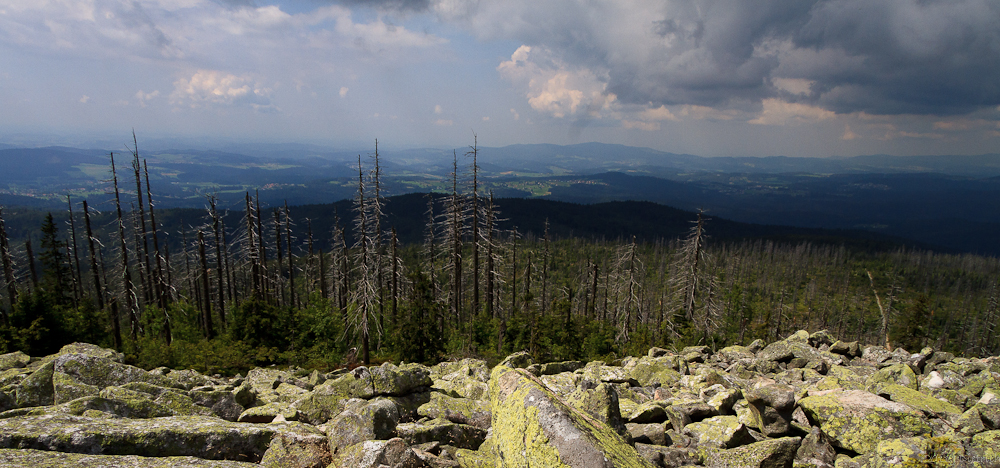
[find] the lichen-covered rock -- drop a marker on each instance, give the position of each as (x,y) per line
(303,448)
(735,353)
(915,451)
(857,420)
(188,378)
(918,400)
(48,459)
(267,413)
(600,402)
(771,405)
(986,445)
(103,372)
(473,459)
(372,454)
(204,437)
(898,374)
(648,413)
(667,457)
(244,395)
(443,431)
(766,453)
(650,433)
(36,389)
(220,402)
(719,432)
(376,420)
(92,350)
(14,360)
(815,451)
(457,410)
(323,403)
(650,372)
(849,349)
(532,427)
(551,368)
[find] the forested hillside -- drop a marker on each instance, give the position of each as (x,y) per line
(447,276)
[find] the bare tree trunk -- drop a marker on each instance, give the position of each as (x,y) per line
(474,152)
(279,283)
(160,287)
(291,258)
(264,280)
(8,265)
(545,269)
(78,278)
(93,258)
(252,251)
(145,272)
(395,275)
(490,260)
(207,303)
(216,227)
(230,274)
(884,331)
(126,275)
(31,265)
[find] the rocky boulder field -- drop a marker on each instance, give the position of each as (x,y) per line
(806,401)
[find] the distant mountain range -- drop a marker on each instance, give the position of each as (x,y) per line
(948,201)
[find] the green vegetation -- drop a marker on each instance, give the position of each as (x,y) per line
(252,288)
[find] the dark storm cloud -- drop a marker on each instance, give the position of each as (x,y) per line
(908,57)
(881,57)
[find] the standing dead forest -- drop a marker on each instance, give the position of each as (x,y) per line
(226,290)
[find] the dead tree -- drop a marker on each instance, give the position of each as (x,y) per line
(474,210)
(217,230)
(161,289)
(145,271)
(8,264)
(366,297)
(126,275)
(206,303)
(93,258)
(291,258)
(77,278)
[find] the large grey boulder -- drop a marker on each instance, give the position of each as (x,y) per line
(198,436)
(36,389)
(45,458)
(15,360)
(771,405)
(764,454)
(533,427)
(376,420)
(458,410)
(856,420)
(77,374)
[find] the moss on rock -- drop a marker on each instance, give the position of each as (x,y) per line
(532,427)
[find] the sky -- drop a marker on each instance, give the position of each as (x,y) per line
(712,78)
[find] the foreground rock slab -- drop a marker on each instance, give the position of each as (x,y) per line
(46,459)
(531,421)
(197,436)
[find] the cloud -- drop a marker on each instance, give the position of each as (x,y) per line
(212,88)
(848,134)
(343,91)
(555,87)
(437,109)
(84,99)
(444,123)
(142,97)
(844,56)
(778,112)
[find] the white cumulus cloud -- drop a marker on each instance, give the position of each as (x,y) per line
(209,88)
